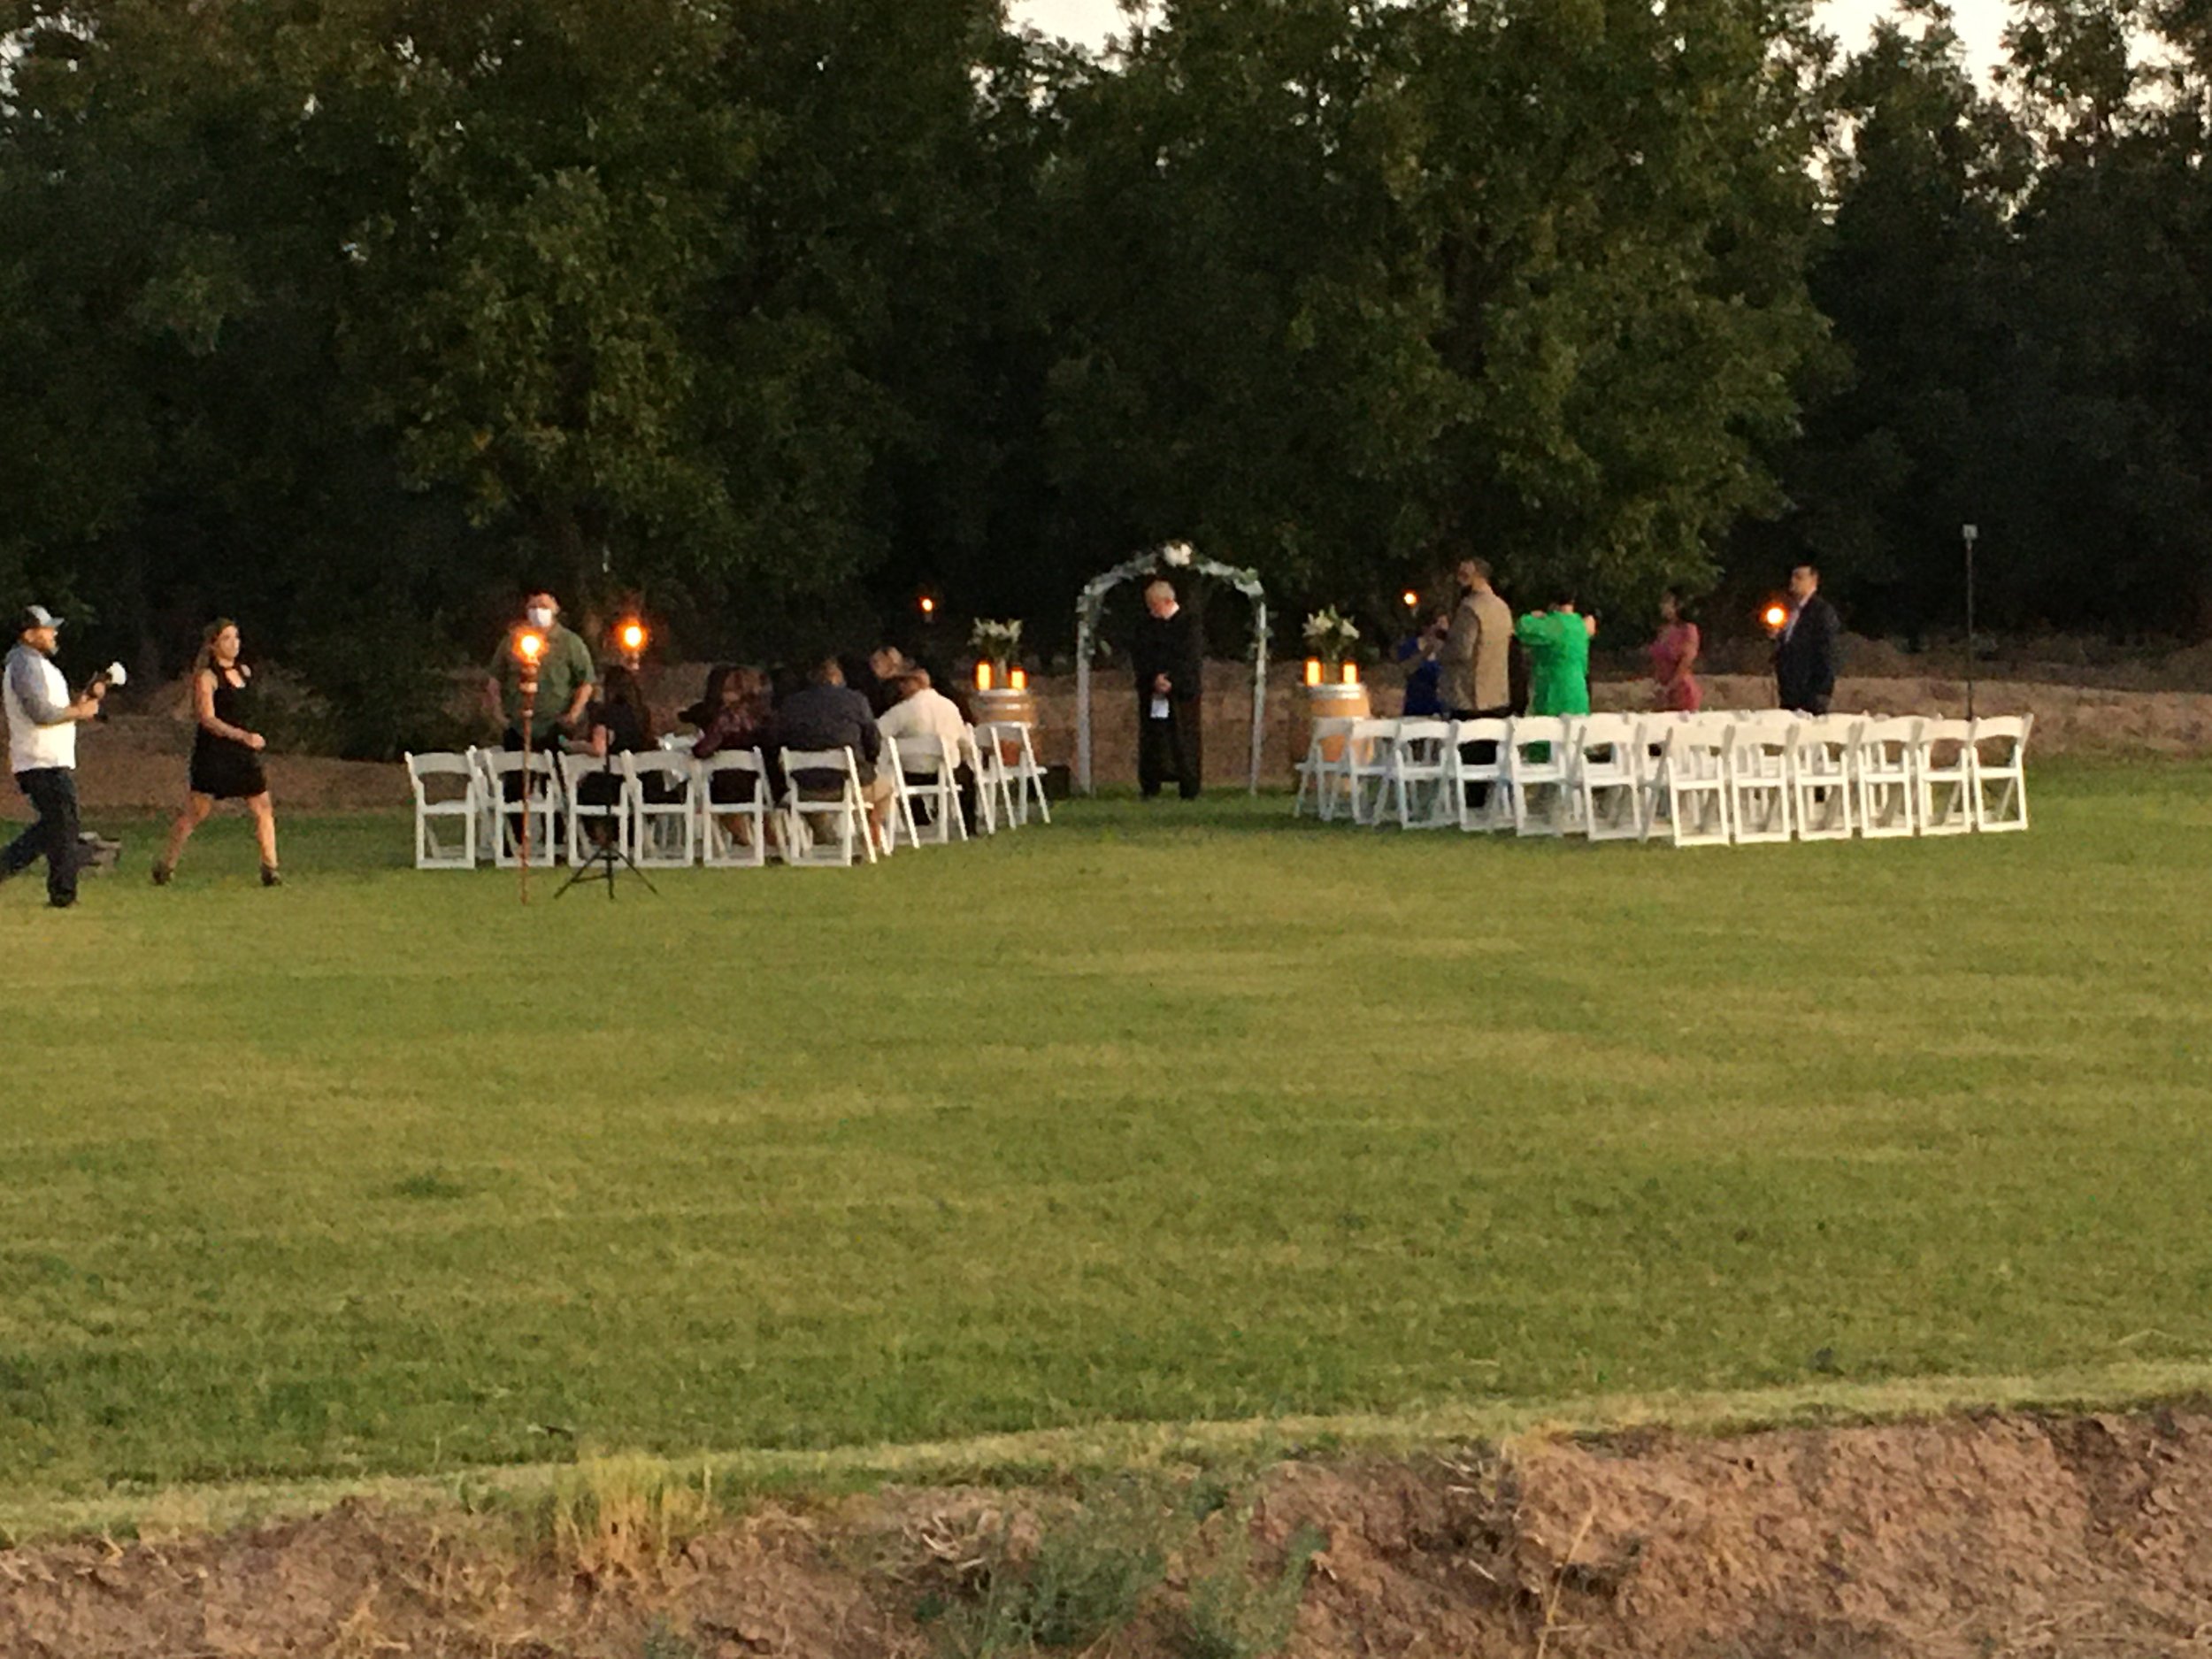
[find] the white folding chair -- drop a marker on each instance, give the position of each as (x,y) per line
(1882,777)
(732,792)
(1484,775)
(1998,753)
(663,811)
(540,798)
(436,805)
(1018,757)
(993,785)
(928,793)
(1536,762)
(840,807)
(1421,759)
(1691,778)
(1367,748)
(1323,768)
(1605,763)
(1820,753)
(1755,757)
(597,788)
(1943,777)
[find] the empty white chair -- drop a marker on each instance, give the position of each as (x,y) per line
(1420,760)
(993,785)
(1482,795)
(732,792)
(1323,771)
(823,821)
(597,792)
(540,800)
(1367,768)
(1691,778)
(1755,757)
(1606,761)
(1820,754)
(1025,779)
(663,809)
(1882,776)
(1943,777)
(438,806)
(1536,764)
(1998,753)
(928,793)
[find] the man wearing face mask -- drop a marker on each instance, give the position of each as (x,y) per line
(565,677)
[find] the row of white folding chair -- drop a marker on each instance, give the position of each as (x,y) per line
(1769,775)
(655,811)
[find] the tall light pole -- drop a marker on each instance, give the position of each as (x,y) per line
(1969,534)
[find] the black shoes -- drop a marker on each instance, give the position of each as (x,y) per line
(271,876)
(162,873)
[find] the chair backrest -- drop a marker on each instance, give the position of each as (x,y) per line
(1704,739)
(1528,729)
(2011,729)
(672,767)
(1944,744)
(922,751)
(735,760)
(1330,726)
(506,763)
(1897,732)
(423,768)
(1604,731)
(578,766)
(838,760)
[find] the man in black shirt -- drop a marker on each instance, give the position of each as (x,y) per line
(1170,656)
(829,714)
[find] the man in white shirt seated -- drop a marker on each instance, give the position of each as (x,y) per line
(922,711)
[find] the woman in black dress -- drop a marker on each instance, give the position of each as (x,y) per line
(226,755)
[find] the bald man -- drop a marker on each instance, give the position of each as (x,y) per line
(1170,655)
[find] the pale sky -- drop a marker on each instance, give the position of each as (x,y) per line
(1979,21)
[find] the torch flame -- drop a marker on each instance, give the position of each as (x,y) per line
(929,606)
(529,645)
(1774,616)
(1411,599)
(633,637)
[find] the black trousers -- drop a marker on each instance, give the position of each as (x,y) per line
(1169,747)
(52,791)
(1482,754)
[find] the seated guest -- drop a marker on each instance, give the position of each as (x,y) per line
(829,714)
(885,664)
(922,711)
(732,719)
(733,714)
(618,722)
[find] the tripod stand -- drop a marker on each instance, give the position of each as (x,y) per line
(601,866)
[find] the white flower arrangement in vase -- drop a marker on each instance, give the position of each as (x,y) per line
(995,643)
(1330,637)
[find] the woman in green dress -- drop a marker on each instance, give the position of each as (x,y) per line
(1558,644)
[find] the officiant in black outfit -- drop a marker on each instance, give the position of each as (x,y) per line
(1170,656)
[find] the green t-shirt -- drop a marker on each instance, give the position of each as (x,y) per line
(1558,646)
(566,666)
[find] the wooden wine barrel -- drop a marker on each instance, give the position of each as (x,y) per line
(1016,708)
(1332,701)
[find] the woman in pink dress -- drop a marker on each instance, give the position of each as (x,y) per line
(1673,656)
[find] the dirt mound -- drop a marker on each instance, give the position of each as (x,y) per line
(2009,1535)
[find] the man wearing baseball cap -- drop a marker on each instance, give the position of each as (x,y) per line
(43,752)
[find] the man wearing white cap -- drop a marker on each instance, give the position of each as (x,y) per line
(43,752)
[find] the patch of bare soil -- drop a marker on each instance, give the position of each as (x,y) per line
(2007,1535)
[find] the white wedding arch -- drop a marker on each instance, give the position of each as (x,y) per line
(1174,559)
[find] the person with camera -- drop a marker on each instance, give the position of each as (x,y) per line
(43,721)
(226,755)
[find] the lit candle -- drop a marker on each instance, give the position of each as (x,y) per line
(1351,673)
(1313,671)
(1017,678)
(929,606)
(1412,599)
(983,676)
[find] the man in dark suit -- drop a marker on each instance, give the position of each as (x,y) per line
(1169,656)
(1805,649)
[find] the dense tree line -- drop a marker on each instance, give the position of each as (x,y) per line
(345,316)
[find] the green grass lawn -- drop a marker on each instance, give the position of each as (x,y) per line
(1159,1114)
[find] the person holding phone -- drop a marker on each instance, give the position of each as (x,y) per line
(43,721)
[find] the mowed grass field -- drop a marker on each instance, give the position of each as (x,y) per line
(1159,1114)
